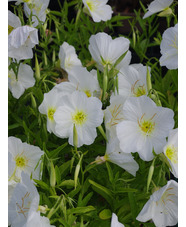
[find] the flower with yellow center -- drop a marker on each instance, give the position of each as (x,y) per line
(83,112)
(145,127)
(80,79)
(132,80)
(171,151)
(98,10)
(13,22)
(25,157)
(48,107)
(105,50)
(162,207)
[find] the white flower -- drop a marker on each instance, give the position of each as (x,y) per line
(11,182)
(115,222)
(145,127)
(48,107)
(24,198)
(82,80)
(162,207)
(83,112)
(38,8)
(115,155)
(13,21)
(114,114)
(21,41)
(98,10)
(157,6)
(24,80)
(68,57)
(132,80)
(25,157)
(34,219)
(21,1)
(169,48)
(103,46)
(171,151)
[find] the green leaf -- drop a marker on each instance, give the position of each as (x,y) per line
(110,173)
(58,175)
(42,184)
(80,210)
(54,153)
(105,214)
(67,183)
(120,59)
(64,168)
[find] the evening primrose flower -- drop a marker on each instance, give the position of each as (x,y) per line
(48,107)
(105,50)
(83,112)
(162,207)
(98,10)
(171,151)
(68,57)
(159,6)
(13,21)
(24,80)
(169,48)
(38,8)
(115,155)
(145,127)
(25,157)
(115,222)
(35,219)
(132,80)
(82,80)
(25,197)
(21,41)
(114,114)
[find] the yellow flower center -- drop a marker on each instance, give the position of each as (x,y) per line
(172,153)
(146,126)
(21,161)
(10,29)
(79,117)
(91,5)
(51,112)
(87,92)
(138,90)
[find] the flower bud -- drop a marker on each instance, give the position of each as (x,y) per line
(37,68)
(151,171)
(75,137)
(52,175)
(33,101)
(148,80)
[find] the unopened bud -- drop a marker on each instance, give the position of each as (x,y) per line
(151,172)
(148,80)
(45,58)
(33,101)
(37,68)
(52,175)
(75,137)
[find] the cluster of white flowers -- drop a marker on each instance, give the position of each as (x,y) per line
(133,121)
(23,164)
